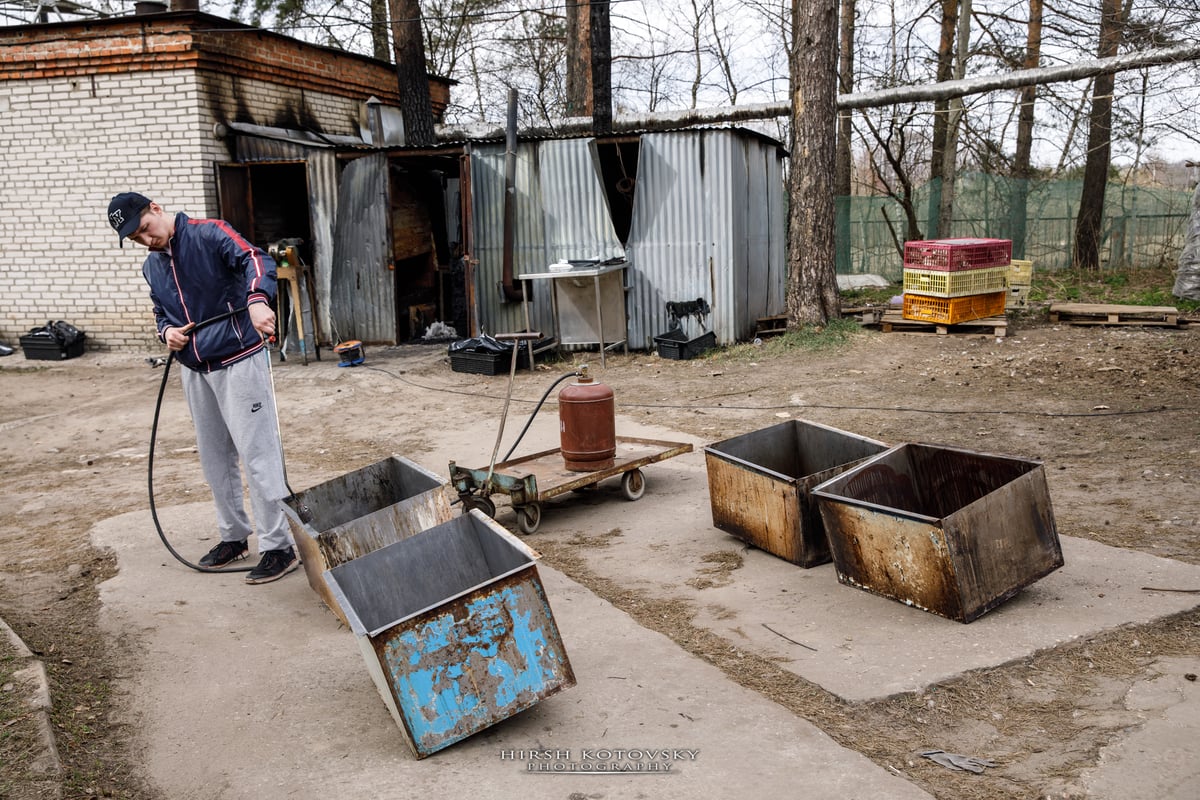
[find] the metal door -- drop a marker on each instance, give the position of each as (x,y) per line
(362,285)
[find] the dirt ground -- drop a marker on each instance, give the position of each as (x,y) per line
(1111,411)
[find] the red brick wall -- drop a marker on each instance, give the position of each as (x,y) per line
(190,40)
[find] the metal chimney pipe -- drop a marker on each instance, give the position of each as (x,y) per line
(510,292)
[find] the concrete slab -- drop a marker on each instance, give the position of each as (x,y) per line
(1158,760)
(256,691)
(854,644)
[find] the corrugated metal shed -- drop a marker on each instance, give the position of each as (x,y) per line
(708,222)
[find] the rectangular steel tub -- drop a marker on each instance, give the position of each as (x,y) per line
(360,512)
(759,485)
(950,531)
(455,628)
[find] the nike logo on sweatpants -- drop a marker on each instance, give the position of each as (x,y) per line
(255,407)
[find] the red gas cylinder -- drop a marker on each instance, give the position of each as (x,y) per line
(587,424)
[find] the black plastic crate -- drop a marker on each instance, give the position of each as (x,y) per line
(48,348)
(488,363)
(675,345)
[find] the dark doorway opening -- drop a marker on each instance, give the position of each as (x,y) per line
(618,163)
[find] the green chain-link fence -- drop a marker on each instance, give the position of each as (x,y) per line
(1142,226)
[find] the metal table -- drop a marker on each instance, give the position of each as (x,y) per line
(588,304)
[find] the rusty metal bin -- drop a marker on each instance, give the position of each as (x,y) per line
(950,531)
(455,628)
(759,485)
(360,512)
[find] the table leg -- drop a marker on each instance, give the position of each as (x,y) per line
(599,319)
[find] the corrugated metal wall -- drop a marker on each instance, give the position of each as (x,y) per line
(708,221)
(362,286)
(561,213)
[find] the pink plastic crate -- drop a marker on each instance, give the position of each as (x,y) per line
(952,255)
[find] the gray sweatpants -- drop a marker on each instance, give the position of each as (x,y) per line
(233,410)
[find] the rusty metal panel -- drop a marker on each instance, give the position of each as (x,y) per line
(948,530)
(360,512)
(760,485)
(455,628)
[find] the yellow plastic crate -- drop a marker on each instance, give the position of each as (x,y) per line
(951,310)
(1020,273)
(1018,297)
(940,283)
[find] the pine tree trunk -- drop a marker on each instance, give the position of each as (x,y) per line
(844,164)
(415,103)
(579,59)
(601,39)
(812,293)
(1023,160)
(941,111)
(379,29)
(1089,223)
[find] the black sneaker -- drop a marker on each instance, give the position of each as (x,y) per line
(273,566)
(224,553)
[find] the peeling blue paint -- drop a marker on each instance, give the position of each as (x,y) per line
(474,663)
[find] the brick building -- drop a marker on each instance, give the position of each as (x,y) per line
(144,102)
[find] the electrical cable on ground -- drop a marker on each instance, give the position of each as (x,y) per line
(795,407)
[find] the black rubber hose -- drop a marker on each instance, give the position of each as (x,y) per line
(537,408)
(150,460)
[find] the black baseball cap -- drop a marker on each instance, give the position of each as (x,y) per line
(124,213)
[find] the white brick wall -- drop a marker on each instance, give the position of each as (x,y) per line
(68,144)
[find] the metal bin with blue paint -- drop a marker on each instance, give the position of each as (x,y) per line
(455,628)
(360,512)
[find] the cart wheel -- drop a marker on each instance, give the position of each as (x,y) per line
(633,484)
(529,516)
(484,504)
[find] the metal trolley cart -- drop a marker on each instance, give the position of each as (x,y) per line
(531,480)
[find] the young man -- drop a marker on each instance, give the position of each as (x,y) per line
(212,293)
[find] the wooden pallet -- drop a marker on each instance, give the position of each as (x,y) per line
(770,326)
(1103,314)
(894,322)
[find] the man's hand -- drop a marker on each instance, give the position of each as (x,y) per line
(177,338)
(262,318)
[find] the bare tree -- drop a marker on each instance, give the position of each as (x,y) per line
(1022,161)
(579,58)
(379,29)
(812,292)
(843,162)
(941,112)
(1088,223)
(415,103)
(949,170)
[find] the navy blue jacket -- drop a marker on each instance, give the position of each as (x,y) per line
(209,270)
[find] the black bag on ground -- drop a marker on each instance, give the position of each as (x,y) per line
(53,341)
